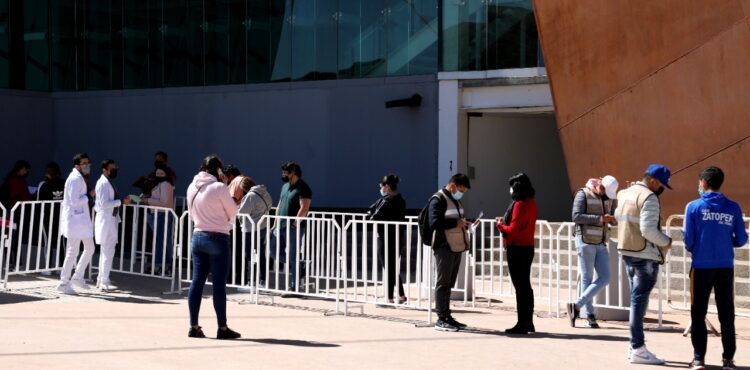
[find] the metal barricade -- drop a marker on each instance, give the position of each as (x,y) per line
(33,240)
(3,222)
(147,233)
(378,249)
(678,267)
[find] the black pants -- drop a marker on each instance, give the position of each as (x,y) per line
(519,265)
(446,263)
(393,252)
(721,280)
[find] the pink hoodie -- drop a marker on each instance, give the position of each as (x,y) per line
(210,205)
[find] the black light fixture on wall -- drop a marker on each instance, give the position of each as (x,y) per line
(414,101)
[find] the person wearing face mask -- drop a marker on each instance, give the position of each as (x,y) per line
(147,183)
(14,188)
(213,212)
(713,229)
(592,214)
(162,195)
(450,239)
(391,206)
(76,226)
(642,245)
(105,223)
(294,201)
(517,227)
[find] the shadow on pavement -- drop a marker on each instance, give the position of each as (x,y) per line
(289,342)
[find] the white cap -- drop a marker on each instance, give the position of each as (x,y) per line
(610,186)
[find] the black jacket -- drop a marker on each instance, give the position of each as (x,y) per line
(436,216)
(388,208)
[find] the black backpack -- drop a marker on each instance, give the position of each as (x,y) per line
(423,221)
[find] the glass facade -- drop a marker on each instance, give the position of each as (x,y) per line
(72,45)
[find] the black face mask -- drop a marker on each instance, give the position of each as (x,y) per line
(284,178)
(113,173)
(605,197)
(659,191)
(158,164)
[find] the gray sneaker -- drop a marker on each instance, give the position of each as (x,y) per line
(573,313)
(444,325)
(591,322)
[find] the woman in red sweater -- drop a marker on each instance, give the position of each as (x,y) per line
(517,226)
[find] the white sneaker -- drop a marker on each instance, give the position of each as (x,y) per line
(644,356)
(80,284)
(65,288)
(107,287)
(630,352)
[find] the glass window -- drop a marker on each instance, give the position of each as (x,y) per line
(464,35)
(398,14)
(225,41)
(36,46)
(258,25)
(511,35)
(281,40)
(349,23)
(97,45)
(303,40)
(63,45)
(134,34)
(423,37)
(156,32)
(326,39)
(373,38)
(183,42)
(4,45)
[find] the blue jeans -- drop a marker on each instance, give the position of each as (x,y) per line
(210,255)
(642,274)
(279,233)
(157,223)
(591,257)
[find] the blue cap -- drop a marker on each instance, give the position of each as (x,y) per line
(660,172)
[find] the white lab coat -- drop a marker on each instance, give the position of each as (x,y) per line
(75,221)
(105,224)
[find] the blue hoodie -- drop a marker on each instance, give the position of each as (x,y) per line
(713,226)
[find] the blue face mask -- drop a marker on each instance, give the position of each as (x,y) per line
(457,195)
(383,193)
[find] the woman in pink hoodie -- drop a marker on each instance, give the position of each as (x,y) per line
(213,211)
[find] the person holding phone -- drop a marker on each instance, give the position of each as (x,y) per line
(517,227)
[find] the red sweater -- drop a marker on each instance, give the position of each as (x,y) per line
(522,224)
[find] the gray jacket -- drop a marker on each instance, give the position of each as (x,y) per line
(256,203)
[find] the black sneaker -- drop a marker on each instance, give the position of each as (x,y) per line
(591,322)
(227,334)
(444,325)
(455,323)
(530,327)
(728,365)
(196,333)
(573,313)
(518,329)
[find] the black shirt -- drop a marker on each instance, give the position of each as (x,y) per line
(52,189)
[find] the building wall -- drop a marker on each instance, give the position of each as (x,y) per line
(26,120)
(339,131)
(636,82)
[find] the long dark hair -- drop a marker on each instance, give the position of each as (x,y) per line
(211,164)
(20,164)
(521,185)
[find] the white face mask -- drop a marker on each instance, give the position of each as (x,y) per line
(511,191)
(383,193)
(86,169)
(457,195)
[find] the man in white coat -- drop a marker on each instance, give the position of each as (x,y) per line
(76,226)
(105,222)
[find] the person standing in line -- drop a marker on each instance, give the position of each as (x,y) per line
(255,202)
(517,227)
(76,226)
(160,222)
(592,213)
(642,245)
(294,201)
(213,212)
(713,228)
(52,189)
(14,188)
(446,218)
(391,206)
(106,220)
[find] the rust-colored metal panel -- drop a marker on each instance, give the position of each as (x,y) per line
(687,113)
(594,49)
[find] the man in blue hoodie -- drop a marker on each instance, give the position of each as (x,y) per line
(713,228)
